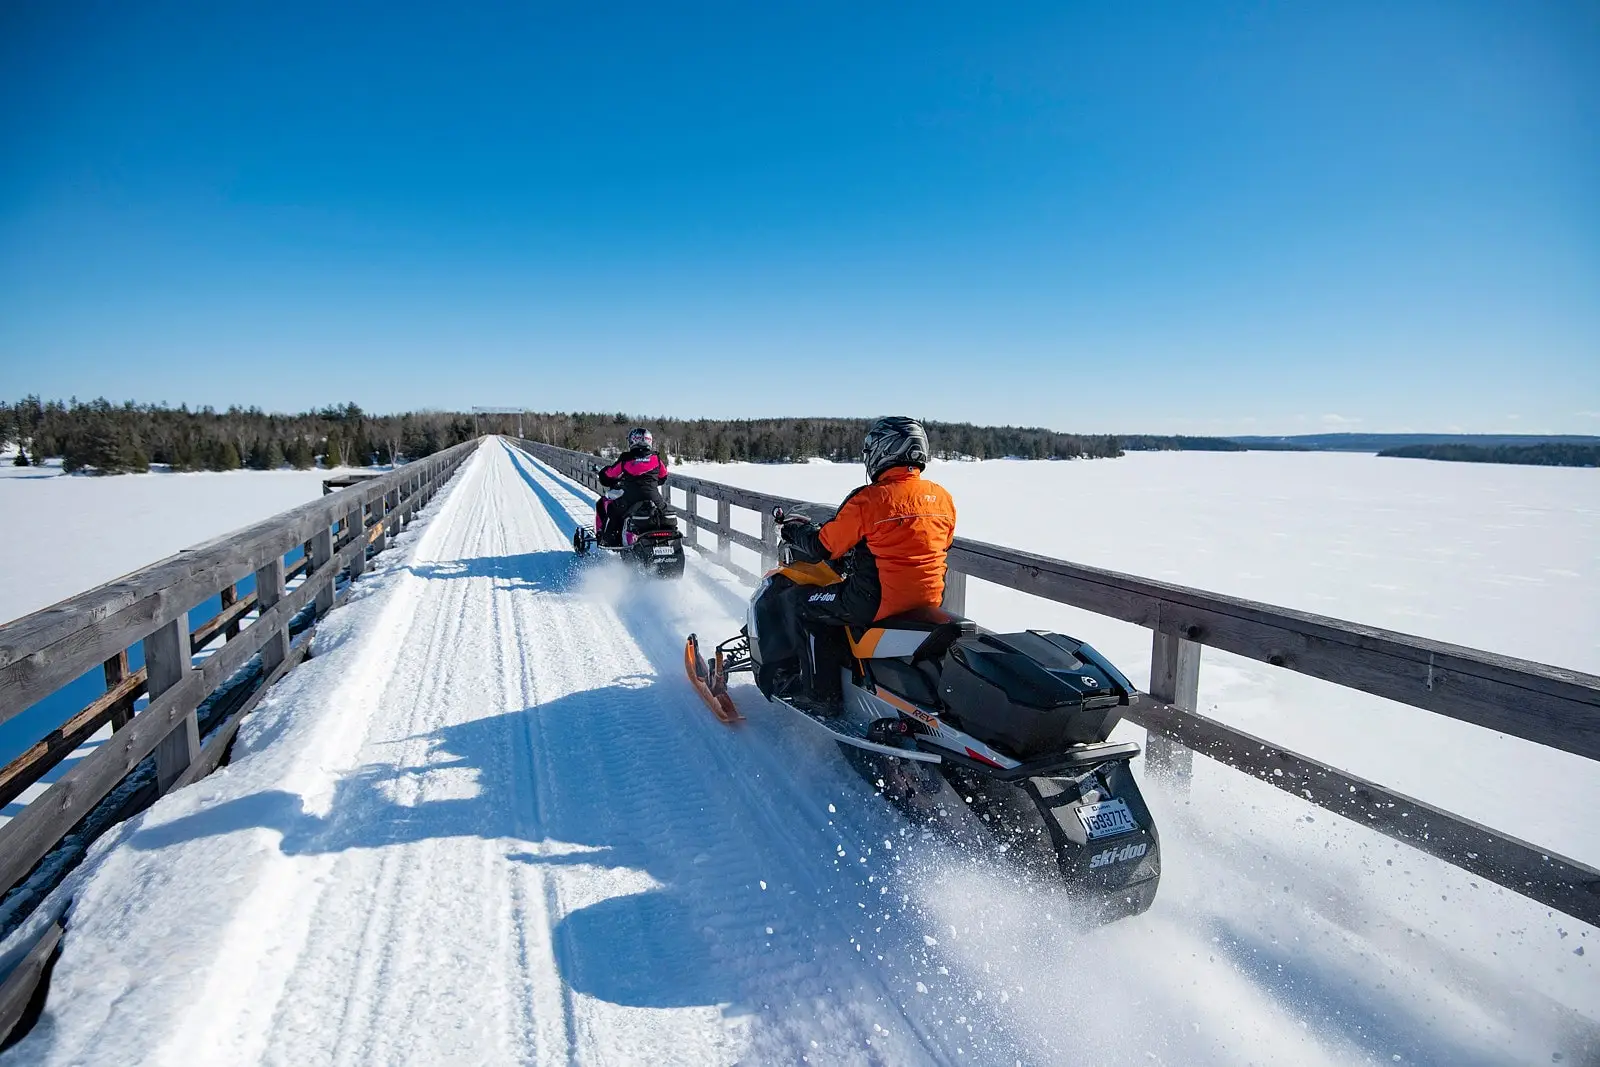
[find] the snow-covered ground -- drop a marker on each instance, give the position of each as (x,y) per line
(68,533)
(490,823)
(1500,558)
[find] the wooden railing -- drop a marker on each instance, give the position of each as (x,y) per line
(1548,705)
(248,645)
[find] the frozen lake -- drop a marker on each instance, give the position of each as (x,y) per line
(68,533)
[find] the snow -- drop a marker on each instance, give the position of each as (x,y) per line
(69,533)
(1500,558)
(489,822)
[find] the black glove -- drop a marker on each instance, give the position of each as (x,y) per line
(793,526)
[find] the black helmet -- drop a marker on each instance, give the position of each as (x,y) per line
(639,437)
(894,441)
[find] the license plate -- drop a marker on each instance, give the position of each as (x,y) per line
(664,551)
(1106,819)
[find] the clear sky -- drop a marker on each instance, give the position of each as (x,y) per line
(1251,217)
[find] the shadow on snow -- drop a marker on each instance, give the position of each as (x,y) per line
(643,949)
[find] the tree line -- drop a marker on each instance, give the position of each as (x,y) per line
(1548,455)
(798,439)
(110,438)
(113,439)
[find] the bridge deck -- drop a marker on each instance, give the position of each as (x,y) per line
(489,823)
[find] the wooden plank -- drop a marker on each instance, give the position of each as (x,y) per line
(17,991)
(1551,879)
(216,746)
(769,540)
(1174,681)
(227,619)
(691,511)
(955,592)
(380,523)
(222,664)
(1549,705)
(321,553)
(59,743)
(356,522)
(167,664)
(116,669)
(230,597)
(710,553)
(725,531)
(36,830)
(269,590)
(738,537)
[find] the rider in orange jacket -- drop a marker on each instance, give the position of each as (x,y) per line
(891,537)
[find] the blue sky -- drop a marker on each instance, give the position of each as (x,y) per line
(1097,217)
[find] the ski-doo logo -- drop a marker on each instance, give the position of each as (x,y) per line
(1119,855)
(823,598)
(1089,680)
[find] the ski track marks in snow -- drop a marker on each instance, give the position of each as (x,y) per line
(490,823)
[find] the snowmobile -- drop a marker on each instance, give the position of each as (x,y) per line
(649,539)
(941,715)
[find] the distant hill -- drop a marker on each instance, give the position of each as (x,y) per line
(1545,455)
(1383,442)
(1145,442)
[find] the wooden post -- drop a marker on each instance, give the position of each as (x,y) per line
(230,597)
(166,657)
(724,525)
(380,519)
(116,669)
(769,540)
(691,507)
(1174,680)
(955,592)
(321,551)
(355,523)
(269,590)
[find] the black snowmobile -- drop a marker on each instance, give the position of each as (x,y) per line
(648,537)
(941,715)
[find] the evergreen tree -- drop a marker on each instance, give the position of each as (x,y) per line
(20,459)
(332,456)
(133,458)
(301,457)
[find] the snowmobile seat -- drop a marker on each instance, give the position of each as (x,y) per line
(921,634)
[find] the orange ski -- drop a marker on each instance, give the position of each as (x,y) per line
(709,683)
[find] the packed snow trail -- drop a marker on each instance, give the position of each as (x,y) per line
(490,823)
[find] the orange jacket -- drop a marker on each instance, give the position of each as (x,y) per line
(907,524)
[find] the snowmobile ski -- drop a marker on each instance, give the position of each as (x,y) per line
(709,682)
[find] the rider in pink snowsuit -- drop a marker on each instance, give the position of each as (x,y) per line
(639,473)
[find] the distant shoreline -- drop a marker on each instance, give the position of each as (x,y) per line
(1382,443)
(1545,455)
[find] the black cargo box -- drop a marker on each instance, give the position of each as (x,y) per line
(1031,694)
